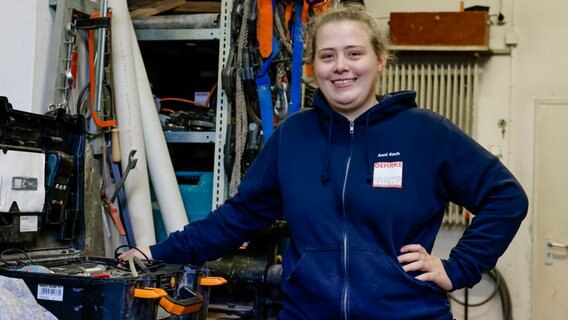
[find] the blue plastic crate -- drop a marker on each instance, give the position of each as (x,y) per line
(196,190)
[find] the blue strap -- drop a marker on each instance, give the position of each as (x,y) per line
(122,204)
(297,54)
(265,94)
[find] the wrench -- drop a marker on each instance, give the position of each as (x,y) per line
(131,165)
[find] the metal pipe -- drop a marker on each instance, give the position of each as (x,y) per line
(100,57)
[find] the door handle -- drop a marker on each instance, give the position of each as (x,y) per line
(549,247)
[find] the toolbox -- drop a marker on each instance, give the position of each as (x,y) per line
(42,230)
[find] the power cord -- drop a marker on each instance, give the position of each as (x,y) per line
(145,265)
(17,263)
(500,287)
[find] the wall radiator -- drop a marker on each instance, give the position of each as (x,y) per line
(446,88)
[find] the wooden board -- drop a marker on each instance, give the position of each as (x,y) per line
(155,8)
(439,29)
(200,7)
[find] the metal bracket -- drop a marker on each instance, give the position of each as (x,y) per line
(59,47)
(549,247)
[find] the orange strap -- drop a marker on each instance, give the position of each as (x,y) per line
(305,9)
(264,27)
(317,9)
(100,123)
(287,18)
(321,7)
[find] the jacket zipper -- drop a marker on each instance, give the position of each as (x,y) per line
(345,292)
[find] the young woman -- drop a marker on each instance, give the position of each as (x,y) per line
(362,182)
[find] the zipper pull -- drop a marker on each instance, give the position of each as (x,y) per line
(351,127)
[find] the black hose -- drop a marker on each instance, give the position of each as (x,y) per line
(500,287)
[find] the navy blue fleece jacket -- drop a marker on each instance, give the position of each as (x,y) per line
(353,193)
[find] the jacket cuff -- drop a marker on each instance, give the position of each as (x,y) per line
(454,272)
(163,251)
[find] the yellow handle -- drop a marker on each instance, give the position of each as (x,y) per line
(115,145)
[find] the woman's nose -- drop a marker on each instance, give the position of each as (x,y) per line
(340,64)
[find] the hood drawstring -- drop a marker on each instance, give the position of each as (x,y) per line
(324,174)
(391,104)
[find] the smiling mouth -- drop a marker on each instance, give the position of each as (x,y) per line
(341,82)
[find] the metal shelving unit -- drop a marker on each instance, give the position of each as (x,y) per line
(218,137)
(190,136)
(177,34)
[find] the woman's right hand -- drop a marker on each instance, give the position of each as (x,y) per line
(142,252)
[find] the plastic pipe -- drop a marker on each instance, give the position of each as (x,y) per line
(162,172)
(131,136)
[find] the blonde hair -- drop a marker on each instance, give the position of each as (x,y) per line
(352,12)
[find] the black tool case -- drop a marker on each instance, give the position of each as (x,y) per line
(41,243)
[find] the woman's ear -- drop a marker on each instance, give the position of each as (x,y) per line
(382,63)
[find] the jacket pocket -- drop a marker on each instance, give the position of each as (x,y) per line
(378,279)
(312,286)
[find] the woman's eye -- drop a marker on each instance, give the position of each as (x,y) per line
(326,56)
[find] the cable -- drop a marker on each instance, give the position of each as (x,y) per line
(486,300)
(149,264)
(504,293)
(501,288)
(185,101)
(197,104)
(17,263)
(131,263)
(129,247)
(166,110)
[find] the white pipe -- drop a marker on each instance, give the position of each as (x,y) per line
(131,136)
(183,21)
(159,162)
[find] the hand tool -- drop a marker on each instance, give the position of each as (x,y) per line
(108,203)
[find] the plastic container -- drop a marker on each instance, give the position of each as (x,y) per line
(196,189)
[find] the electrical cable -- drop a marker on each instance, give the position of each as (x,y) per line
(129,247)
(132,260)
(149,264)
(17,263)
(185,101)
(505,295)
(167,110)
(207,103)
(500,287)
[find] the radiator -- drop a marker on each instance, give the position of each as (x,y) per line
(446,88)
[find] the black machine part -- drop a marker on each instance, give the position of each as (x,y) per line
(253,277)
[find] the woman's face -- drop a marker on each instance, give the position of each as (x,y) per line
(346,67)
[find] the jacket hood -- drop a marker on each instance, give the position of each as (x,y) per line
(388,105)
